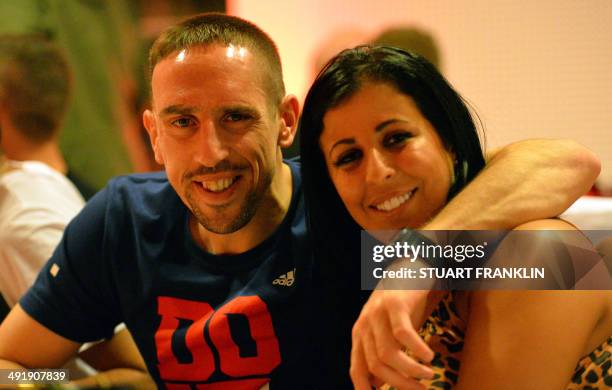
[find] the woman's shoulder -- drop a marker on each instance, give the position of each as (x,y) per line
(546,224)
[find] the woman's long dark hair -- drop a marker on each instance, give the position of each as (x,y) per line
(335,235)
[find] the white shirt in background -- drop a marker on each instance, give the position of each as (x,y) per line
(36,204)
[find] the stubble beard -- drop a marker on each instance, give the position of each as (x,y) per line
(248,209)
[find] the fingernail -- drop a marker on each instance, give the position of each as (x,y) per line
(428,373)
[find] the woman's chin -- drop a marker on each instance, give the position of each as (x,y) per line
(390,225)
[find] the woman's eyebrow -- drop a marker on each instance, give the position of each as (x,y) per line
(378,128)
(343,141)
(388,122)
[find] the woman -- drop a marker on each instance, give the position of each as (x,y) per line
(386,142)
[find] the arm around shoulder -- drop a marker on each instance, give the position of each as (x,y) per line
(568,168)
(524,181)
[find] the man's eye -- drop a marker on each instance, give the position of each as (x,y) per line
(348,157)
(396,139)
(182,122)
(236,117)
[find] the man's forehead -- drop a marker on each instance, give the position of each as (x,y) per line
(215,55)
(201,63)
(227,70)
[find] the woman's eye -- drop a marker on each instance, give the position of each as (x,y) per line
(182,122)
(396,139)
(347,157)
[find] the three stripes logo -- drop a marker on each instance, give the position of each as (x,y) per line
(285,279)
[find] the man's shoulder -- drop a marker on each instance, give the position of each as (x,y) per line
(141,179)
(132,204)
(293,162)
(295,217)
(140,184)
(147,192)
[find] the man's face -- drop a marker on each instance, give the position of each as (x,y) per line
(215,129)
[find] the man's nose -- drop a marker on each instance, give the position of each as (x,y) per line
(211,147)
(378,167)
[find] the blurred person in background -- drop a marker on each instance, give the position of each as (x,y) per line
(333,43)
(413,39)
(409,38)
(37,197)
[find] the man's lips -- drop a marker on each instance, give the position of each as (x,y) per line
(218,185)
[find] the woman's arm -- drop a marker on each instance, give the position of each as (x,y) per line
(527,339)
(531,339)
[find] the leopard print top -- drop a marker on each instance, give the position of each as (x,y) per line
(444,332)
(593,371)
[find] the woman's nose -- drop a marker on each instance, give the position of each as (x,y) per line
(379,168)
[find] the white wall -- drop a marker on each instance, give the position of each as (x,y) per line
(531,69)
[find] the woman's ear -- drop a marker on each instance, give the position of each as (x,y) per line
(289,114)
(452,166)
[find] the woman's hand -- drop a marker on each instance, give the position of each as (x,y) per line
(385,329)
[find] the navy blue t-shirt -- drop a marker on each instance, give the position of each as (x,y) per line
(237,321)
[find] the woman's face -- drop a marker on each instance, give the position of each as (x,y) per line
(385,159)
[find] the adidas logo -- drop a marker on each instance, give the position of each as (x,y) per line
(285,279)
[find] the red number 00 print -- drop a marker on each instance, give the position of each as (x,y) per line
(202,365)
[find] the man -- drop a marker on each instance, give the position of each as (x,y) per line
(207,263)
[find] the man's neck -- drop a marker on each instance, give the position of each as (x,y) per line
(264,223)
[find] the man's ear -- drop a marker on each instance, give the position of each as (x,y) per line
(289,114)
(148,119)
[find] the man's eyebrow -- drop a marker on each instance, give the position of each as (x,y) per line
(240,108)
(178,109)
(386,123)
